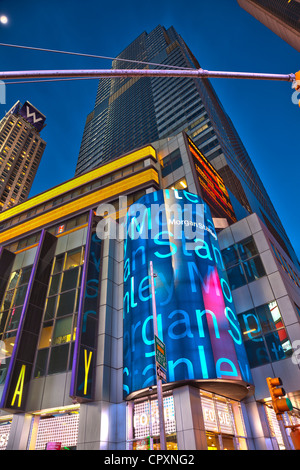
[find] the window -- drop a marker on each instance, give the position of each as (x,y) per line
(264,335)
(298,309)
(179,184)
(171,162)
(223,422)
(145,420)
(242,263)
(285,266)
(10,314)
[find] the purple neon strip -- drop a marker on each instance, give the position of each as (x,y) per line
(22,319)
(80,307)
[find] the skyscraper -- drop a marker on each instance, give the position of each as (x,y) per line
(132,112)
(21,150)
(79,308)
(281,16)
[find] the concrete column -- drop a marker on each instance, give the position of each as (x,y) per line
(259,431)
(102,423)
(102,426)
(19,432)
(189,419)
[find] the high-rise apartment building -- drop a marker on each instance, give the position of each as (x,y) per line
(132,112)
(280,16)
(21,150)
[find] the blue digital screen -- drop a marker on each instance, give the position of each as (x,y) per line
(196,318)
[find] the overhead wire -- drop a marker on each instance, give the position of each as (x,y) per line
(50,80)
(94,56)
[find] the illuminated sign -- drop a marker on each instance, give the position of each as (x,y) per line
(145,177)
(60,229)
(33,116)
(53,446)
(195,312)
(84,359)
(212,187)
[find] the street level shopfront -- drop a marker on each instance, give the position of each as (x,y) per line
(223,421)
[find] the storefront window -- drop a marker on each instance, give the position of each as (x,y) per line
(146,425)
(60,425)
(223,421)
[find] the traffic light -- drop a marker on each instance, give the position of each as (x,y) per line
(297,80)
(280,404)
(296,87)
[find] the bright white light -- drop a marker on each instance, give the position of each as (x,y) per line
(3,19)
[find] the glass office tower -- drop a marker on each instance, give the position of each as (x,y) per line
(132,112)
(281,16)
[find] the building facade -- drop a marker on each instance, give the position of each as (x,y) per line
(279,16)
(132,112)
(76,321)
(21,150)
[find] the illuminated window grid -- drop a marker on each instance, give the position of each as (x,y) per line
(79,181)
(62,264)
(85,201)
(8,329)
(146,418)
(62,429)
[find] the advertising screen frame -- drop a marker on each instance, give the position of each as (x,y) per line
(209,183)
(195,312)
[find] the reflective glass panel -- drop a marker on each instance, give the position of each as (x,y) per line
(256,352)
(41,363)
(58,359)
(250,325)
(70,278)
(73,259)
(20,295)
(269,317)
(236,276)
(54,286)
(278,345)
(13,280)
(66,303)
(14,318)
(46,334)
(62,331)
(247,249)
(50,308)
(254,268)
(230,256)
(59,263)
(25,275)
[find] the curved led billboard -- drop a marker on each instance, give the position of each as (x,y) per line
(196,318)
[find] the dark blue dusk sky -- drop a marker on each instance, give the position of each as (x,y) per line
(221,35)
